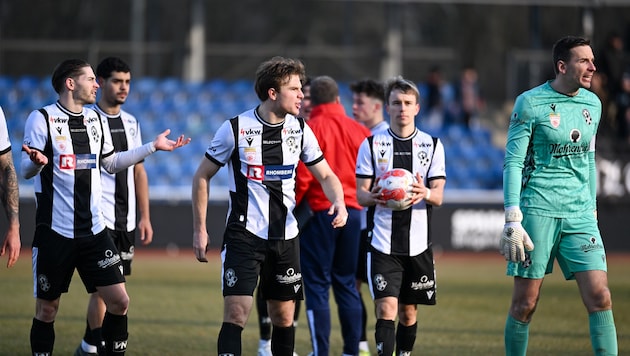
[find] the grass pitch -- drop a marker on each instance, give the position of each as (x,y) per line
(176,309)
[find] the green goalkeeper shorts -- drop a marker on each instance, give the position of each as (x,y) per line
(575,243)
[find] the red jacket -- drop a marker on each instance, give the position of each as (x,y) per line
(339,137)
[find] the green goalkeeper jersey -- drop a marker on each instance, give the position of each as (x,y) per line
(549,166)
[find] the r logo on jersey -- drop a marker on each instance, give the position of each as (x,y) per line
(67,161)
(256,172)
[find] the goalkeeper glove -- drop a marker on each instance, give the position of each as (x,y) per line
(514,239)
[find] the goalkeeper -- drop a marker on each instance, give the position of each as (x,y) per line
(549,185)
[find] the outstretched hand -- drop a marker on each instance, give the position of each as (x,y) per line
(163,143)
(35,156)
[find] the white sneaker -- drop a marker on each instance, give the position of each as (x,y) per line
(265,350)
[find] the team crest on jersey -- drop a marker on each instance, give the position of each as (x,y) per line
(95,134)
(554,119)
(423,157)
(291,142)
(587,116)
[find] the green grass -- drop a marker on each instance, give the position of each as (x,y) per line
(176,308)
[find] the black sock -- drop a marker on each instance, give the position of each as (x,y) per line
(298,304)
(385,337)
(264,322)
(282,340)
(405,337)
(42,337)
(229,342)
(115,334)
(93,337)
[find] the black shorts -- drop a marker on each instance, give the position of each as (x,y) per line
(56,257)
(364,244)
(125,243)
(411,279)
(245,257)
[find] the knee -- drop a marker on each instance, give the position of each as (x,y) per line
(45,310)
(523,309)
(599,300)
(119,305)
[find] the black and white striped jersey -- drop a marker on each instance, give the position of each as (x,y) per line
(119,189)
(403,232)
(68,190)
(262,160)
(5,141)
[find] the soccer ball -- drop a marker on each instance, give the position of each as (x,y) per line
(396,188)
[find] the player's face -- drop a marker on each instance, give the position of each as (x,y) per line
(289,97)
(85,87)
(402,108)
(363,107)
(115,89)
(581,66)
(305,107)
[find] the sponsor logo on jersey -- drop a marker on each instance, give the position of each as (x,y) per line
(58,120)
(560,150)
(111,259)
(292,131)
(424,283)
(273,172)
(89,120)
(78,161)
(382,143)
(250,132)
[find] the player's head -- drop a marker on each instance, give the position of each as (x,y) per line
(276,72)
(324,90)
(110,65)
(402,85)
(368,96)
(402,101)
(370,87)
(562,49)
(114,77)
(70,68)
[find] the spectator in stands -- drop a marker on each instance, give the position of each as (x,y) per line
(468,96)
(367,108)
(402,271)
(549,188)
(611,63)
(262,148)
(9,196)
(622,119)
(65,144)
(328,255)
(122,191)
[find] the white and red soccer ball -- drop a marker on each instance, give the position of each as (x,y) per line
(396,188)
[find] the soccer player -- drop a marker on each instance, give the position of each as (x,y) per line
(10,196)
(65,144)
(328,255)
(122,191)
(262,148)
(549,186)
(264,322)
(400,263)
(368,97)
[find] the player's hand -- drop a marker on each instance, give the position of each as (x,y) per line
(514,239)
(162,143)
(200,246)
(11,245)
(36,157)
(340,220)
(146,231)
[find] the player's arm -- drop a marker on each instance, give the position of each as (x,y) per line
(9,195)
(332,189)
(142,200)
(114,162)
(200,192)
(514,239)
(35,139)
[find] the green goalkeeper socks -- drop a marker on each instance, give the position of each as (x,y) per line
(603,333)
(516,337)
